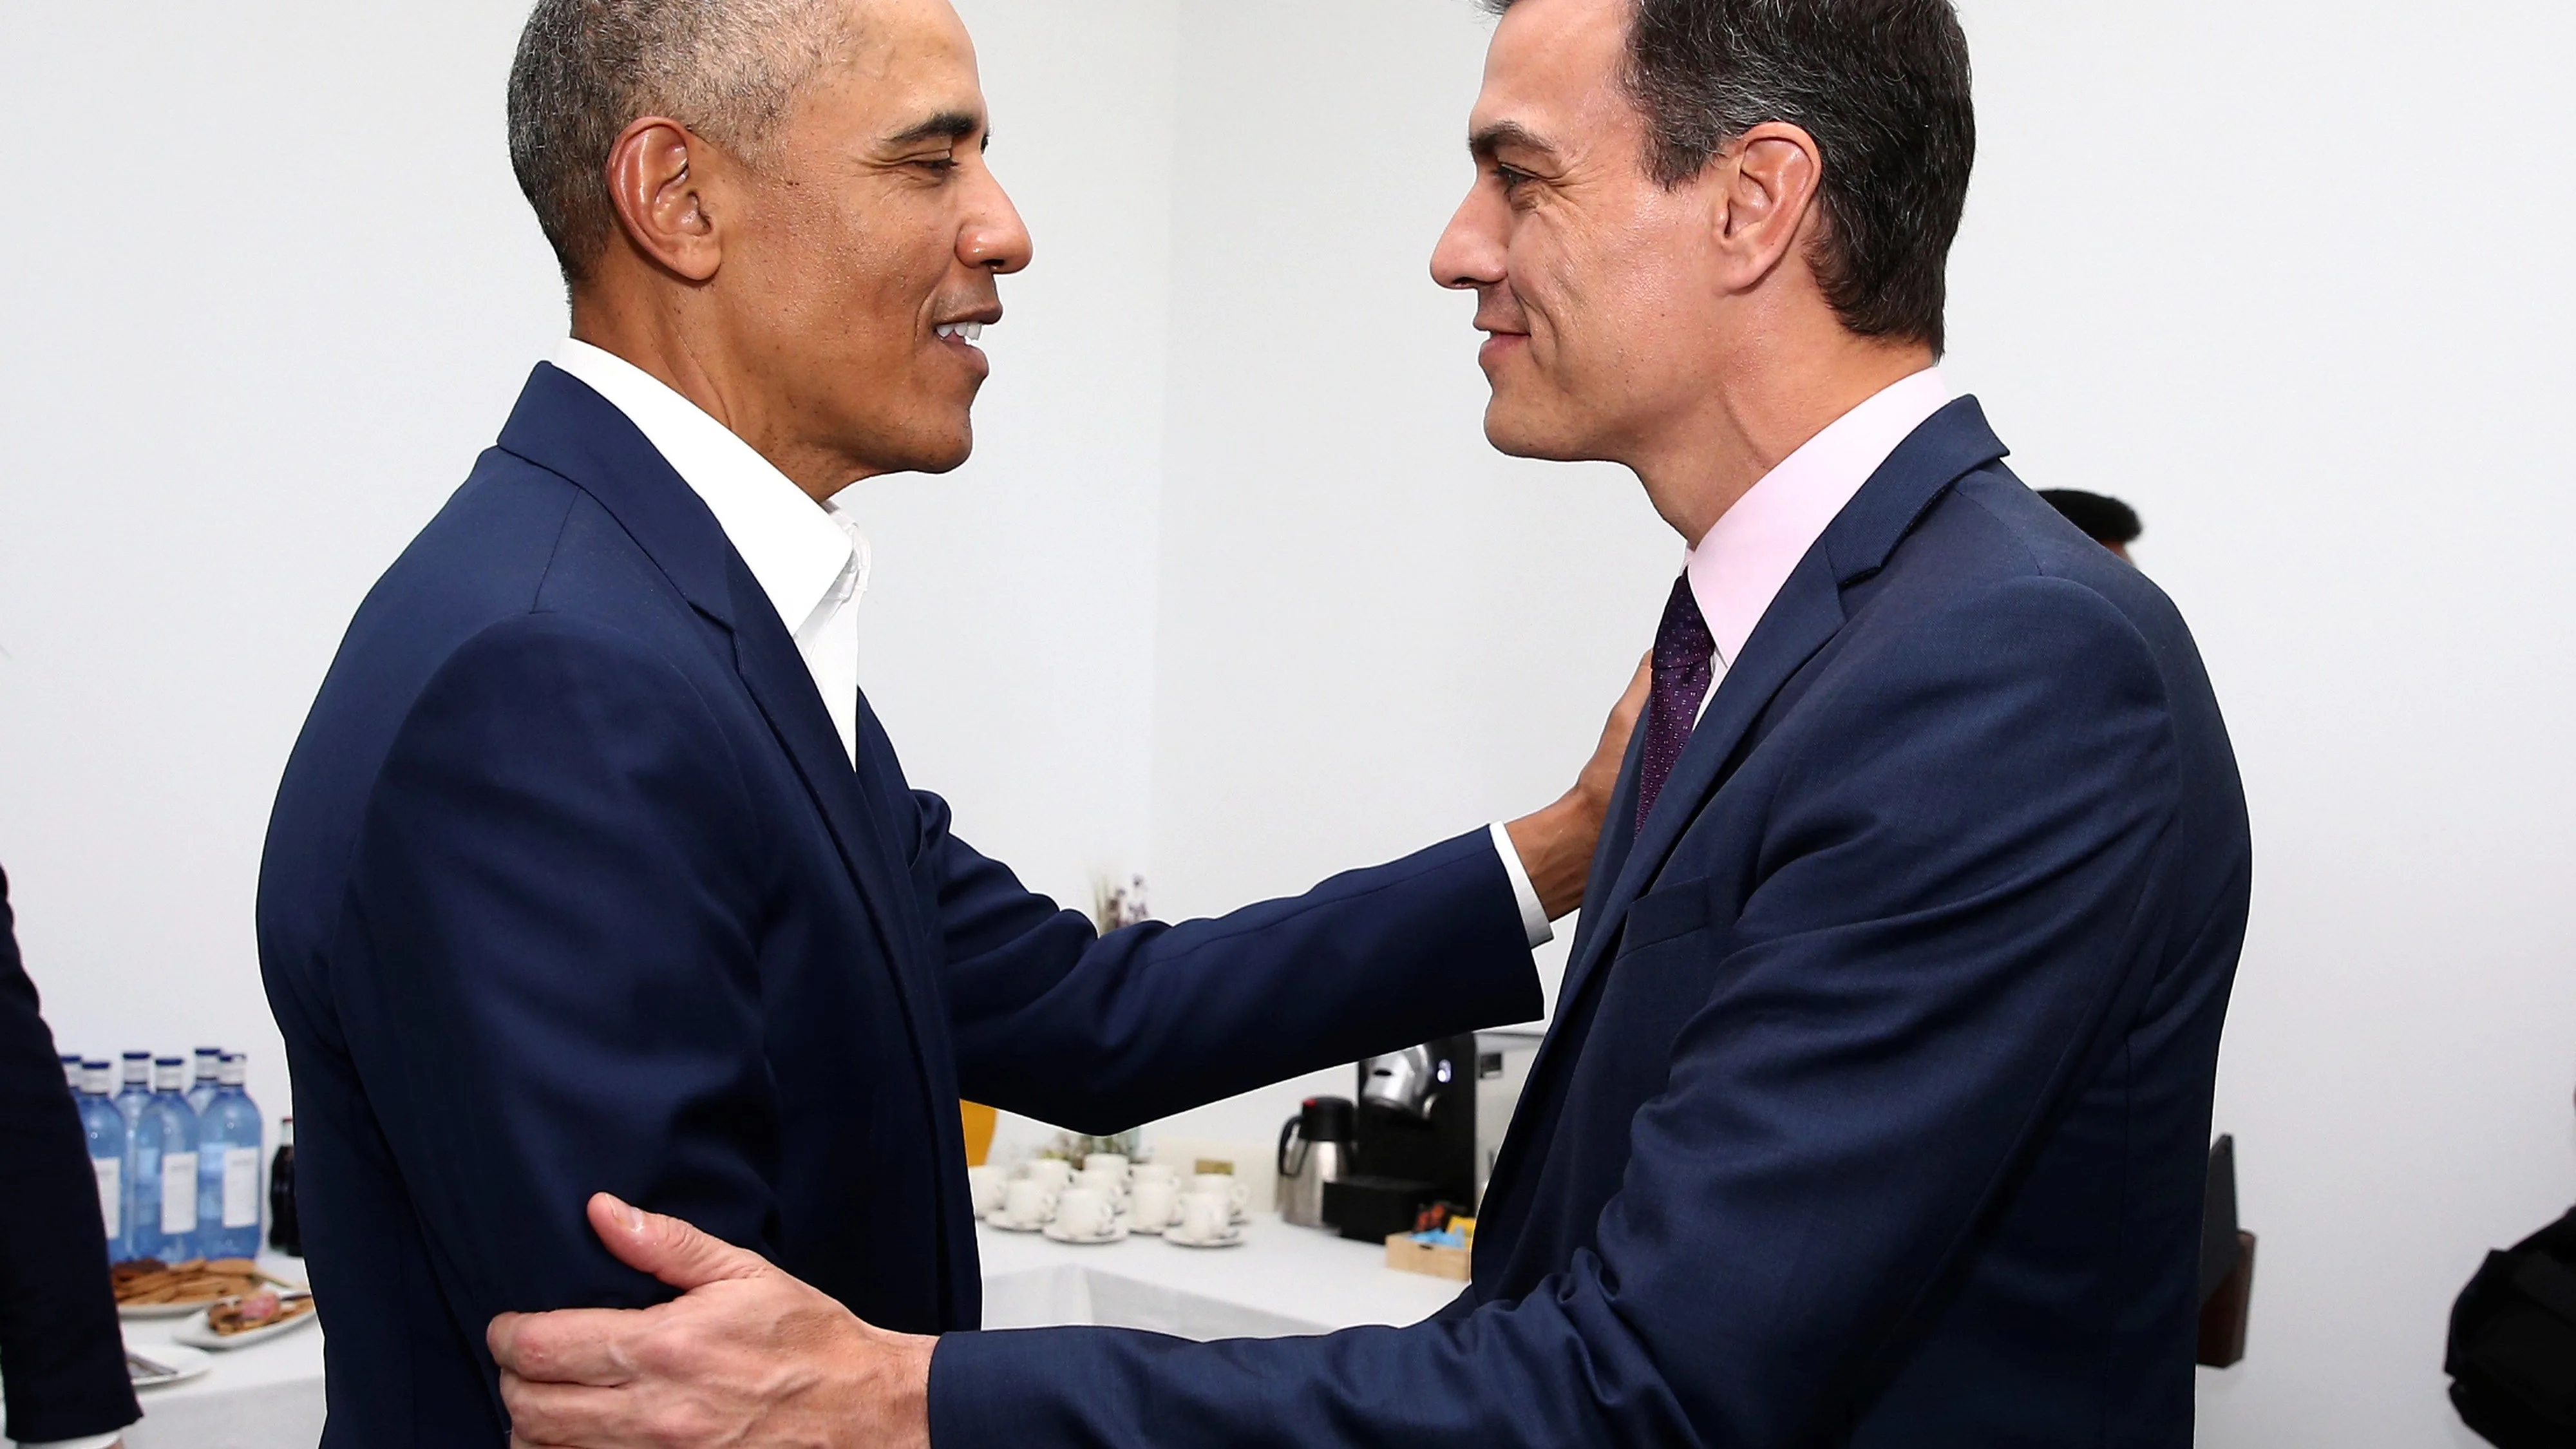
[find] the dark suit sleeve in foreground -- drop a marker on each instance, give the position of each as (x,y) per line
(545,981)
(1952,893)
(60,1350)
(1103,1033)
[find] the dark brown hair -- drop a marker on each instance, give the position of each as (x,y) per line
(1883,87)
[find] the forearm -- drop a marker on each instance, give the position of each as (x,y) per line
(1156,1019)
(1556,1371)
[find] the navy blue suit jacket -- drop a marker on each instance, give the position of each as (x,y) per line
(1877,1104)
(61,1355)
(571,887)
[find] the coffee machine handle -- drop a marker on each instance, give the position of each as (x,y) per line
(1288,1133)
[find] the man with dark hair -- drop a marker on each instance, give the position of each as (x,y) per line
(2103,519)
(1876,1104)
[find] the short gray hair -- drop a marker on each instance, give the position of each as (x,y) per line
(729,70)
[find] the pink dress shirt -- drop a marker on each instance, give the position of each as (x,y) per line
(1749,553)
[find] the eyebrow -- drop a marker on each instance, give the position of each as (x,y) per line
(1495,137)
(951,126)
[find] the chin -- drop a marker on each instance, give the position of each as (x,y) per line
(945,455)
(1516,433)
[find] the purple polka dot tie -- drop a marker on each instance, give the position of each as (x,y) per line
(1684,661)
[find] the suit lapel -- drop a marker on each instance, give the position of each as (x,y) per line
(855,813)
(1804,618)
(564,427)
(1807,613)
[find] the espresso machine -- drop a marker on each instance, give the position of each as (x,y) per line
(1428,1124)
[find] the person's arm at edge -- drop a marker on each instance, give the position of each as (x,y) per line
(60,1349)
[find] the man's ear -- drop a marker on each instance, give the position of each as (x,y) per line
(661,197)
(1770,182)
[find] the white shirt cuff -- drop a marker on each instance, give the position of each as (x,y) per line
(1533,915)
(94,1441)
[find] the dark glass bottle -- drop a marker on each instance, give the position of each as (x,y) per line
(285,1234)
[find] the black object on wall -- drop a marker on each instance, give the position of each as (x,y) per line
(2226,1264)
(2512,1355)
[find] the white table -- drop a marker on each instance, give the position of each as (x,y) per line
(266,1396)
(1283,1280)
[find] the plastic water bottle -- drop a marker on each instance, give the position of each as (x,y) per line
(73,1074)
(137,1089)
(210,1067)
(228,1167)
(161,1170)
(105,1128)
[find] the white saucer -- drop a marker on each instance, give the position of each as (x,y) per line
(183,1362)
(1013,1225)
(1117,1234)
(1231,1240)
(200,1333)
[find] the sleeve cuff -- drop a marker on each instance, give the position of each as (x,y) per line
(1534,920)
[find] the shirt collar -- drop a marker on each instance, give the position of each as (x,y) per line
(810,561)
(1749,553)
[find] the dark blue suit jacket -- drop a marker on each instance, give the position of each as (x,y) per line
(570,886)
(61,1355)
(1877,1104)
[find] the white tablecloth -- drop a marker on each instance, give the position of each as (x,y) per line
(1282,1280)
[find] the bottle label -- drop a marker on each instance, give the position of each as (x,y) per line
(178,1192)
(111,1194)
(241,1187)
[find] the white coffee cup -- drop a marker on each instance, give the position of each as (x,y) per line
(1109,1184)
(1152,1172)
(1154,1203)
(1114,1163)
(1226,1185)
(984,1186)
(1028,1203)
(1085,1212)
(1206,1217)
(1055,1172)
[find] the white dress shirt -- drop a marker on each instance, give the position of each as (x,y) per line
(813,562)
(1749,553)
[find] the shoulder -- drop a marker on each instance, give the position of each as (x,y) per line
(1991,573)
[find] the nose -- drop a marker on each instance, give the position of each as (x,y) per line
(1471,249)
(994,238)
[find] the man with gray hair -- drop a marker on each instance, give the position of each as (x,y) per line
(1875,1107)
(592,870)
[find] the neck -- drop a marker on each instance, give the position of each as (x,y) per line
(1766,402)
(686,353)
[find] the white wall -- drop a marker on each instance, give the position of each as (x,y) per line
(1376,632)
(274,291)
(2290,276)
(1234,593)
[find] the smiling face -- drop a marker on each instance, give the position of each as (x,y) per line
(1593,282)
(866,256)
